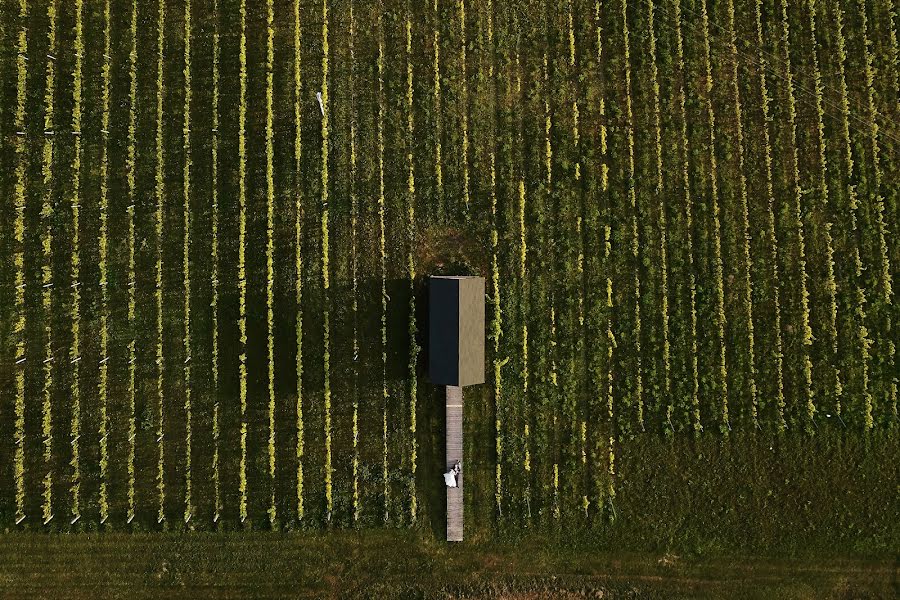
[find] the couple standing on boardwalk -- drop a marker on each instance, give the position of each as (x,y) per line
(451,475)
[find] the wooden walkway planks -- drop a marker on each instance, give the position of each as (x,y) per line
(455,453)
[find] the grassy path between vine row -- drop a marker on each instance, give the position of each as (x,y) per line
(393,564)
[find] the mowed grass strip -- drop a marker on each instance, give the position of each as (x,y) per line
(393,564)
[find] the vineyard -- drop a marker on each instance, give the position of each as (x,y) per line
(219,218)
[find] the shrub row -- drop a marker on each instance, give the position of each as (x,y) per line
(19,259)
(579,423)
(638,398)
(130,167)
(411,266)
(876,191)
(464,99)
(724,425)
(242,258)
(186,258)
(382,269)
(298,256)
(496,330)
(523,278)
(160,213)
(103,246)
(354,303)
(214,272)
(326,357)
(438,125)
(270,252)
(552,350)
(47,265)
(75,269)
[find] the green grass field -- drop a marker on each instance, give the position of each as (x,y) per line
(390,563)
(220,216)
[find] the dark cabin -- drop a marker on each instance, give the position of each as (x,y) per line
(456,330)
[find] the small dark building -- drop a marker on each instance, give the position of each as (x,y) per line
(456,330)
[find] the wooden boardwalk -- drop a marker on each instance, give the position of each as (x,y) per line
(455,453)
